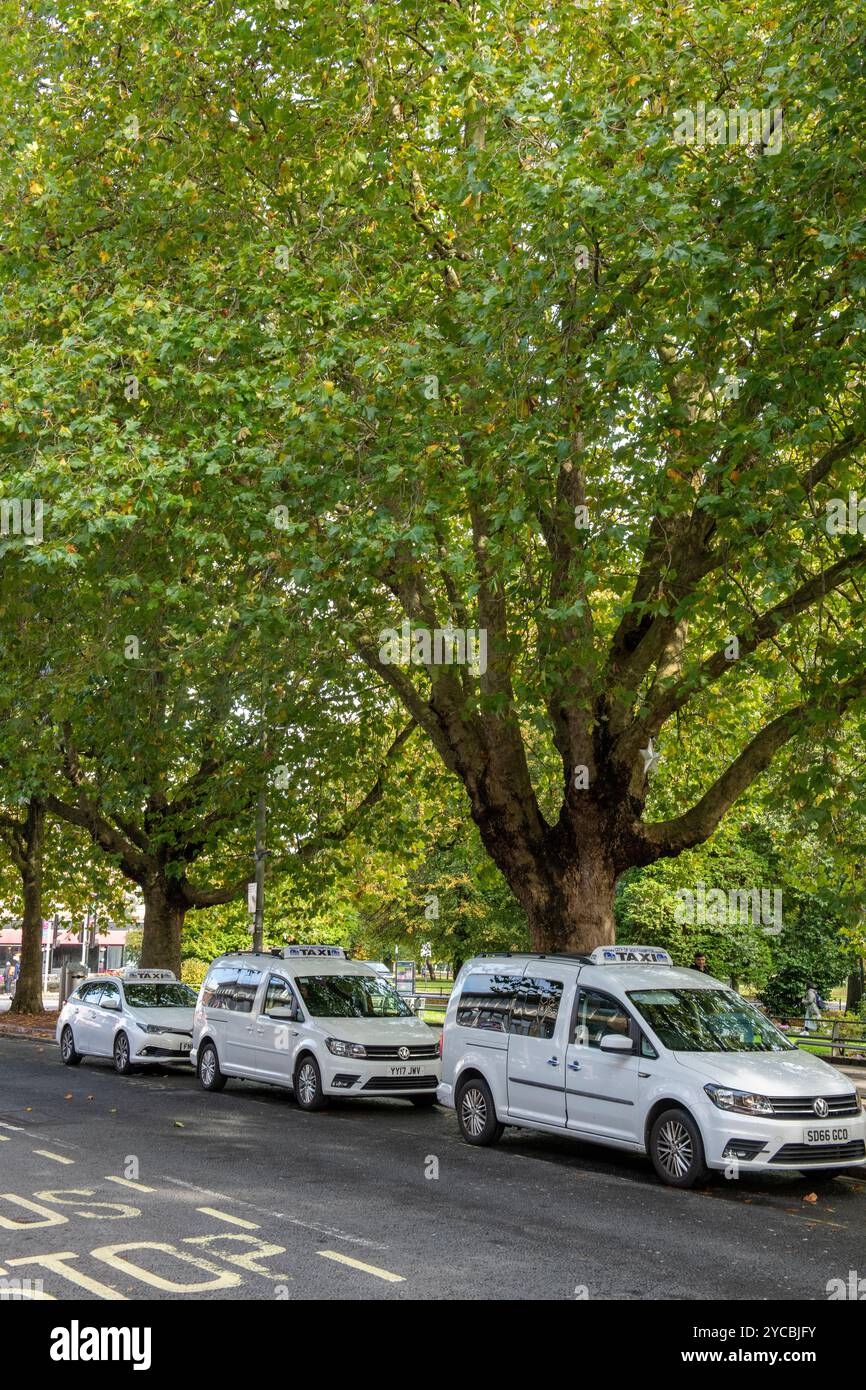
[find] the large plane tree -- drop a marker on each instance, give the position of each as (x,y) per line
(552,322)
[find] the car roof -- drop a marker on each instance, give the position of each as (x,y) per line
(295,965)
(625,975)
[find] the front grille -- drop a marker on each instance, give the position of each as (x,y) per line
(401,1083)
(798,1154)
(389,1052)
(165,1052)
(803,1107)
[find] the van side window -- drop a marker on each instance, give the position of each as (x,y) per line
(598,1014)
(646,1047)
(485,1002)
(246,990)
(279,994)
(535,1007)
(219,987)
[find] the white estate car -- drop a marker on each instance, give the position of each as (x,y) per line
(139,1018)
(309,1018)
(621,1048)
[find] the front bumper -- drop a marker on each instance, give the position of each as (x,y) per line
(355,1076)
(154,1048)
(766,1144)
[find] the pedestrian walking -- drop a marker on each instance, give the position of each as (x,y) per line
(812,1009)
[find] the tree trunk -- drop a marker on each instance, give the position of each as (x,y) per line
(164,911)
(28,991)
(567,893)
(855,989)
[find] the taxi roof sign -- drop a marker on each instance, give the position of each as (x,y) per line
(637,955)
(141,975)
(287,952)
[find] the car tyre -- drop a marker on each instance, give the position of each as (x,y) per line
(68,1055)
(307,1084)
(476,1113)
(210,1076)
(677,1150)
(122,1055)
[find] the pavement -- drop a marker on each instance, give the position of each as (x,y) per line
(147,1187)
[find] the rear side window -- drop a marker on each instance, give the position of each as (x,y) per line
(535,1007)
(219,988)
(246,990)
(485,1002)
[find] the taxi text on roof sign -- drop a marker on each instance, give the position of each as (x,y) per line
(133,972)
(641,955)
(288,951)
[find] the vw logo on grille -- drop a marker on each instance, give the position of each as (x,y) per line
(402,1053)
(821,1108)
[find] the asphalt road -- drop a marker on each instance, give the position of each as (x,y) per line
(242,1195)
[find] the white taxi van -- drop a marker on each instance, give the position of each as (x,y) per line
(621,1048)
(311,1019)
(141,1017)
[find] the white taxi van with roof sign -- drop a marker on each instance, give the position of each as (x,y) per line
(311,1019)
(141,1017)
(622,1048)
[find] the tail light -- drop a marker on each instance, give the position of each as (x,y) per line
(441,1040)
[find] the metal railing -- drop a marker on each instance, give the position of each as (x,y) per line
(844,1038)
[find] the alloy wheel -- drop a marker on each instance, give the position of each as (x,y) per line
(208,1066)
(675,1148)
(473,1111)
(307,1083)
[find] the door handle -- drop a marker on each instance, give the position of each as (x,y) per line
(574,1066)
(553,1061)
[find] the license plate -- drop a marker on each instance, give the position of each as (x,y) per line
(186,1047)
(827,1134)
(404,1071)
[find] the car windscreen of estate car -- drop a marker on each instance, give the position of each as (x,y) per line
(160,996)
(707,1020)
(350,996)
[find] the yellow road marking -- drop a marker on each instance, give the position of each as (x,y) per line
(127,1182)
(232,1220)
(4,1138)
(56,1158)
(359,1264)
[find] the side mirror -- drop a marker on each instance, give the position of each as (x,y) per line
(616,1042)
(284,1013)
(111,1004)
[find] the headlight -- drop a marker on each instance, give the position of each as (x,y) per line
(345,1049)
(151,1028)
(742,1102)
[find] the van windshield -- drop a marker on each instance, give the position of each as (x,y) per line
(707,1020)
(350,996)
